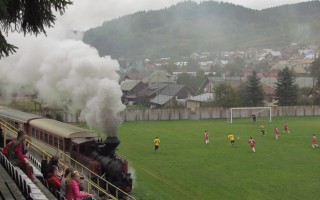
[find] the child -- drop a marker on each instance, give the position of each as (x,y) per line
(252,143)
(276,132)
(206,137)
(156,143)
(231,138)
(314,141)
(263,132)
(286,127)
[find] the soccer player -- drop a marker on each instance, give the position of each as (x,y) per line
(252,143)
(263,132)
(156,143)
(206,137)
(314,141)
(276,132)
(286,127)
(231,138)
(254,118)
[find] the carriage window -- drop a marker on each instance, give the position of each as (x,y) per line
(55,142)
(41,135)
(50,139)
(60,143)
(46,138)
(33,132)
(37,134)
(74,149)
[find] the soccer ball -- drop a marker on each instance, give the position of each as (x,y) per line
(238,138)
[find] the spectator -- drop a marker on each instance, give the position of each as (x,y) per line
(15,153)
(72,189)
(1,138)
(54,180)
(63,181)
(46,167)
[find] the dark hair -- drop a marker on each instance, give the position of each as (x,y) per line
(51,170)
(20,133)
(54,160)
(67,172)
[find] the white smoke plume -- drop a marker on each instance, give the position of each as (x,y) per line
(67,73)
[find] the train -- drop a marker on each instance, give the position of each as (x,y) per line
(80,144)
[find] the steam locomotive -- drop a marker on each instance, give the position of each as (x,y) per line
(81,144)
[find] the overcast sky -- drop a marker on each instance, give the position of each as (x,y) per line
(84,14)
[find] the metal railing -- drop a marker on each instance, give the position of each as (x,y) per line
(70,162)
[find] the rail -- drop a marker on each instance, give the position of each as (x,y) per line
(70,162)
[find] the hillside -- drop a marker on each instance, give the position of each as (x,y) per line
(208,26)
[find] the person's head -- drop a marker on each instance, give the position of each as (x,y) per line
(55,170)
(54,160)
(21,135)
(67,171)
(73,175)
(250,137)
(314,134)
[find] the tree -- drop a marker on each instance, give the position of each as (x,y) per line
(31,16)
(188,80)
(315,71)
(253,94)
(286,90)
(225,96)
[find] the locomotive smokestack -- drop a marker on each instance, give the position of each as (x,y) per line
(111,144)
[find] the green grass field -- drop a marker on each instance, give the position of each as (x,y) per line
(187,168)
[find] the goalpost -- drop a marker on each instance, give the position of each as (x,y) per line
(261,113)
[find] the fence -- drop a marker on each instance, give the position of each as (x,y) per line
(195,114)
(211,113)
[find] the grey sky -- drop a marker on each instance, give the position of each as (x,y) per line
(86,14)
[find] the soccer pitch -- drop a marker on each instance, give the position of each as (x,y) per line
(187,168)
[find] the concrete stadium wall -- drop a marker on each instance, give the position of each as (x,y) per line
(214,113)
(195,114)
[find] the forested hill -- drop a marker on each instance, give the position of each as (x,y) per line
(208,26)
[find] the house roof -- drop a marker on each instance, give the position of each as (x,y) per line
(170,89)
(128,85)
(299,70)
(161,99)
(268,90)
(160,77)
(233,81)
(207,97)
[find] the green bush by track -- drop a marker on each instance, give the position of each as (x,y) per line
(187,168)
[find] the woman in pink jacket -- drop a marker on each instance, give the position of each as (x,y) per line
(72,189)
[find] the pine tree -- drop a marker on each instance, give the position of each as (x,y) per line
(253,94)
(31,16)
(286,90)
(315,72)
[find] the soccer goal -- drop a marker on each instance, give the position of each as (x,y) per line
(255,114)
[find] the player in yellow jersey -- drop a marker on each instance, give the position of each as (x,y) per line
(156,143)
(263,132)
(231,138)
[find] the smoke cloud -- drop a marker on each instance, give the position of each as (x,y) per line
(64,73)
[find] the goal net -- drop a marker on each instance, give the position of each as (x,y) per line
(253,114)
